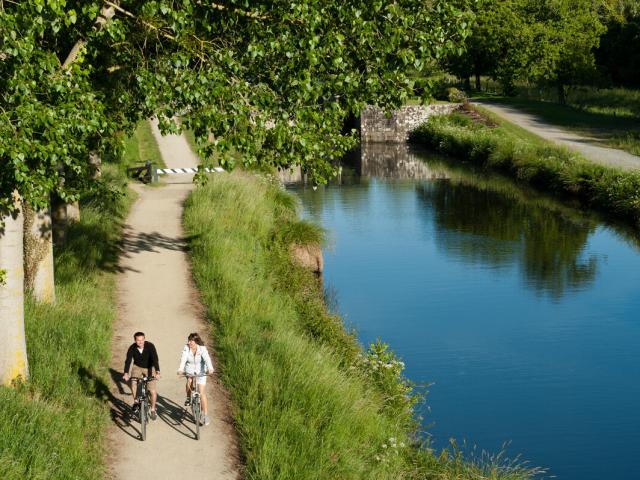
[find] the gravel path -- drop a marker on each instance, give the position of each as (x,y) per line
(587,146)
(157,296)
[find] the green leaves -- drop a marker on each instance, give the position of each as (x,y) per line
(260,83)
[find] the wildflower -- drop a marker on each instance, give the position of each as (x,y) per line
(384,445)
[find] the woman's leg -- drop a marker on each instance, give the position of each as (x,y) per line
(203,398)
(188,387)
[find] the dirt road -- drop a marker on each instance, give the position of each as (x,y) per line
(157,296)
(587,146)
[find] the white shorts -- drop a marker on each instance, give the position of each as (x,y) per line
(199,380)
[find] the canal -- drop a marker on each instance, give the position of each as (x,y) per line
(519,314)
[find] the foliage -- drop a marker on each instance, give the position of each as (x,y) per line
(547,41)
(53,426)
(271,82)
(538,163)
(307,401)
(618,56)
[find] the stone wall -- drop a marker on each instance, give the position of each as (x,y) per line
(375,126)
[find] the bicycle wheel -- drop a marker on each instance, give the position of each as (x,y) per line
(196,415)
(143,419)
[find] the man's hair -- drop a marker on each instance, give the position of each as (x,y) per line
(138,334)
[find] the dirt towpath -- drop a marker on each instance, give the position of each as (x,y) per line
(157,296)
(587,146)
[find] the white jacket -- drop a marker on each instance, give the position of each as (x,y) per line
(195,364)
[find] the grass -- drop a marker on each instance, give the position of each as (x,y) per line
(531,160)
(142,147)
(52,427)
(307,401)
(610,116)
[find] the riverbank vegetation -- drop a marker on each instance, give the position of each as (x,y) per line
(534,161)
(52,426)
(308,402)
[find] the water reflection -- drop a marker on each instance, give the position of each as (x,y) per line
(499,229)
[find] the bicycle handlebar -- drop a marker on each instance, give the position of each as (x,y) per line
(191,375)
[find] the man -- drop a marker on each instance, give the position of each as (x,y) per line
(145,362)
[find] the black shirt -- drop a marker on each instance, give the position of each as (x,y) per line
(147,359)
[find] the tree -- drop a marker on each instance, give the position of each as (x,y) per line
(498,45)
(618,56)
(549,41)
(265,83)
(567,34)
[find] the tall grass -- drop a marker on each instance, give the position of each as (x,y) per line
(52,427)
(308,403)
(543,165)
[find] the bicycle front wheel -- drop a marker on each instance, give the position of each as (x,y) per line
(196,416)
(143,420)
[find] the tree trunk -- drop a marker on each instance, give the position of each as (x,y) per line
(59,220)
(96,165)
(38,255)
(478,83)
(467,83)
(13,348)
(73,212)
(562,95)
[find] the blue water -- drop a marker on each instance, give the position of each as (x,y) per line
(523,313)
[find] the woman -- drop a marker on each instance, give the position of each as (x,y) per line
(195,360)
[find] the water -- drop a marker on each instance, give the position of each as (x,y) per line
(523,313)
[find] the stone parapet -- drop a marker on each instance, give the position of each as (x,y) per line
(376,126)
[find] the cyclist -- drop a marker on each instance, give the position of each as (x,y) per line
(145,362)
(195,360)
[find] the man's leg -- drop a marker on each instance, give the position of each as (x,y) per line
(154,396)
(134,389)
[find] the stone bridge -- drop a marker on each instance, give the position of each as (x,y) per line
(377,127)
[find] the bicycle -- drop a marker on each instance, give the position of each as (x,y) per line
(194,400)
(142,399)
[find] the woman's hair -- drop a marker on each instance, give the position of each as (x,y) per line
(196,338)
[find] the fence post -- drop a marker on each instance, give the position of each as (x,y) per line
(154,173)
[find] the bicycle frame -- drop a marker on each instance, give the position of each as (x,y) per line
(194,397)
(142,397)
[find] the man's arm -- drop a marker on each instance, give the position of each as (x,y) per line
(127,362)
(154,358)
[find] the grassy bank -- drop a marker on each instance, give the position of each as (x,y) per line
(308,403)
(534,161)
(142,147)
(52,427)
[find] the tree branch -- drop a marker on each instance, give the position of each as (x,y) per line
(106,13)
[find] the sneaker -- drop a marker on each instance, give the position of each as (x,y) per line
(153,414)
(206,420)
(187,402)
(135,408)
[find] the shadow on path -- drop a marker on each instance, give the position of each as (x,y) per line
(175,415)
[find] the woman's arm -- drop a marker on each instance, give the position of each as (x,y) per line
(207,359)
(183,359)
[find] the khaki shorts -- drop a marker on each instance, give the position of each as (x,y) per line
(139,372)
